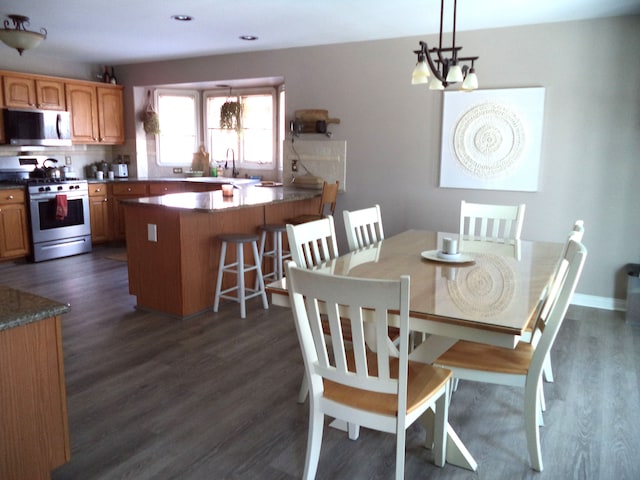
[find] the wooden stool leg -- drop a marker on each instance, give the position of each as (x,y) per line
(278,256)
(223,254)
(241,292)
(260,279)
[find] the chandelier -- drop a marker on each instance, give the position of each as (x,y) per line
(444,62)
(17,36)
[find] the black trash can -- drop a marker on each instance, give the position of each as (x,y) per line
(633,293)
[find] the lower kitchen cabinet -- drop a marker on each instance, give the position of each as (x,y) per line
(99,212)
(14,228)
(119,192)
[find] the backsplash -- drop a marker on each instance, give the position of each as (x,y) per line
(322,158)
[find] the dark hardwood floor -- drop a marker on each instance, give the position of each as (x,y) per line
(214,397)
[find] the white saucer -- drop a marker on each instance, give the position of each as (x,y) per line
(438,256)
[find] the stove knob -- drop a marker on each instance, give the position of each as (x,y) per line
(47,189)
(41,189)
(60,187)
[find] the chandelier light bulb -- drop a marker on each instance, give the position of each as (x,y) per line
(420,73)
(471,81)
(436,84)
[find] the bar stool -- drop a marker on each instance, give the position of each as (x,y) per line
(239,268)
(277,254)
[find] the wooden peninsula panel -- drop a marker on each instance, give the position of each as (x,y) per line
(176,274)
(33,402)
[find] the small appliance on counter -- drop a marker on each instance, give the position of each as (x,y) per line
(120,170)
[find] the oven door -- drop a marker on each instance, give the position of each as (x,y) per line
(46,226)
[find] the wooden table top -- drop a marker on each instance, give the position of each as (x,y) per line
(496,292)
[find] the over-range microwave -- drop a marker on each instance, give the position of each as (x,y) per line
(37,127)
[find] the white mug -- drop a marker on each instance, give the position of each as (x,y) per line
(100,175)
(449,246)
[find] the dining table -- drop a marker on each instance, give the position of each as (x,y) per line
(488,293)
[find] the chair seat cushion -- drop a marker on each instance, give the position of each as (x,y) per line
(423,382)
(478,356)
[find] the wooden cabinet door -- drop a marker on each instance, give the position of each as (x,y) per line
(110,115)
(123,191)
(50,95)
(99,213)
(19,91)
(14,230)
(82,102)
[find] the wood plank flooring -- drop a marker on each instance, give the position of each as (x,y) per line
(214,397)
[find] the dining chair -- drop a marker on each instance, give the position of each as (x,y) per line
(523,365)
(495,223)
(327,206)
(363,227)
(311,244)
(576,234)
(378,388)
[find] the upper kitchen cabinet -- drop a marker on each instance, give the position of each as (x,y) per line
(27,91)
(96,113)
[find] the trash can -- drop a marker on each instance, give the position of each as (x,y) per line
(633,294)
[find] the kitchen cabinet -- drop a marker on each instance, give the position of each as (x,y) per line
(2,138)
(14,229)
(27,91)
(99,213)
(119,192)
(164,188)
(33,423)
(96,113)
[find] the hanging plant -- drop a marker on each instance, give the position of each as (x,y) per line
(150,119)
(230,115)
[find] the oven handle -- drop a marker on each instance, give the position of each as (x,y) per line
(41,198)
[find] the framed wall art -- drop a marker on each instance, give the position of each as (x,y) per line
(491,139)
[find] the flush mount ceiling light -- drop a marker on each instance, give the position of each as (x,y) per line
(17,36)
(444,62)
(249,38)
(182,18)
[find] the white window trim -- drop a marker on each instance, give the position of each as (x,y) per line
(236,92)
(198,114)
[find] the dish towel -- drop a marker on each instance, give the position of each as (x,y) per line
(61,207)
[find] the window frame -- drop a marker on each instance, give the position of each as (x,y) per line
(274,93)
(195,94)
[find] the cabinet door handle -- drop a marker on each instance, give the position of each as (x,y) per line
(98,190)
(105,200)
(10,197)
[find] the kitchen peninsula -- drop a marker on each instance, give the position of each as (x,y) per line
(33,402)
(172,250)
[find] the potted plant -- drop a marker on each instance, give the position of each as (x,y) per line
(231,115)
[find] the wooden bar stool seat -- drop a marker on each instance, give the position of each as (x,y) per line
(277,253)
(239,269)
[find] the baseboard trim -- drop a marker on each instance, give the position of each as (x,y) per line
(593,301)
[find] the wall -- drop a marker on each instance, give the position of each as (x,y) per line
(590,166)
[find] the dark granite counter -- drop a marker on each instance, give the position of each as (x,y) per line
(19,308)
(250,196)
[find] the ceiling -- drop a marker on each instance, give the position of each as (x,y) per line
(128,31)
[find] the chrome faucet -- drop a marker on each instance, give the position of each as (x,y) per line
(234,171)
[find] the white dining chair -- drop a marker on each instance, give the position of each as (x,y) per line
(523,365)
(382,391)
(363,227)
(312,243)
(495,223)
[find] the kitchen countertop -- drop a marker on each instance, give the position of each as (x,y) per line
(249,196)
(20,308)
(221,180)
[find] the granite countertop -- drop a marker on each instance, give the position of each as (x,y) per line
(221,180)
(20,308)
(249,196)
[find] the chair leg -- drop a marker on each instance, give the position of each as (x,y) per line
(401,437)
(314,441)
(531,420)
(241,291)
(304,390)
(353,430)
(546,368)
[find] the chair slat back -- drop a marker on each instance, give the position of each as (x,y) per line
(561,291)
(312,243)
(367,303)
(491,222)
(363,227)
(329,198)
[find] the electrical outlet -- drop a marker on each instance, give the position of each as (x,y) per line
(294,165)
(177,170)
(152,232)
(67,160)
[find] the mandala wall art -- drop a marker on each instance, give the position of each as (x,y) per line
(491,139)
